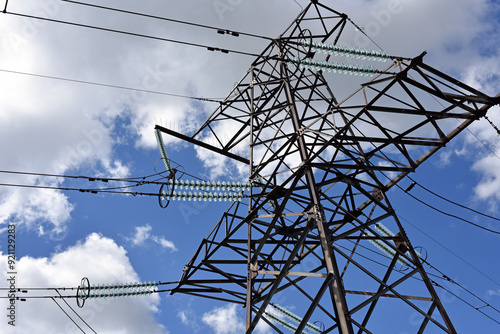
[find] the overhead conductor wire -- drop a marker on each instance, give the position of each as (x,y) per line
(129,33)
(111,86)
(219,30)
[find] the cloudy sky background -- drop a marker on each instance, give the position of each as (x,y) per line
(61,127)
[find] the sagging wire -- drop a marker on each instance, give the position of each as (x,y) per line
(73,312)
(100,84)
(74,322)
(136,182)
(128,33)
(446,199)
(448,214)
(443,277)
(219,30)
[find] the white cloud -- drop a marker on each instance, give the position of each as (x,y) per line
(142,234)
(164,243)
(190,319)
(182,315)
(224,320)
(103,262)
(36,208)
(493,293)
(489,186)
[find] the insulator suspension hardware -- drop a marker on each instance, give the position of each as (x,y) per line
(203,196)
(287,314)
(102,291)
(345,50)
(163,151)
(344,68)
(211,185)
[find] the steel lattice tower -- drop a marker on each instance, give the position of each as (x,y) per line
(320,170)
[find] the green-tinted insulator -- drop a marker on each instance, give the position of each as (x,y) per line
(313,46)
(218,185)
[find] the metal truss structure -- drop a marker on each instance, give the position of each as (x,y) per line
(319,230)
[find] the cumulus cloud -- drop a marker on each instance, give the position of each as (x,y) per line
(224,320)
(189,319)
(227,320)
(103,262)
(142,235)
(489,185)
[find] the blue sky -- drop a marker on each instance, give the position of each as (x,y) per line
(60,127)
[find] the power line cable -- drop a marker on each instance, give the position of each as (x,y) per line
(421,201)
(219,30)
(450,201)
(466,302)
(83,190)
(442,276)
(448,214)
(440,244)
(450,251)
(81,25)
(362,30)
(111,86)
(136,179)
(67,314)
(302,8)
(447,278)
(76,313)
(484,144)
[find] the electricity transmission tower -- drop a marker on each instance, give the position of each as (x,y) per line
(319,230)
